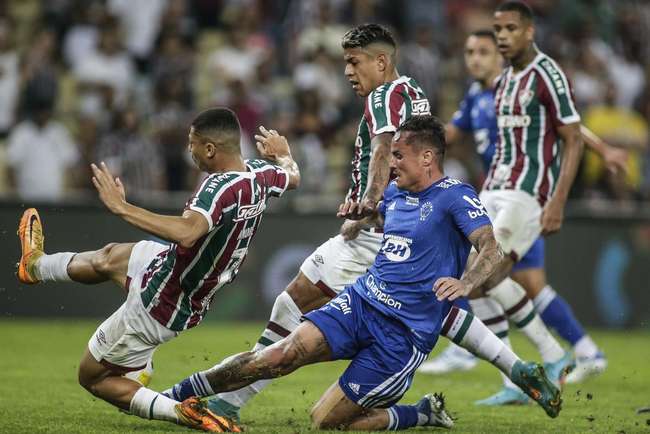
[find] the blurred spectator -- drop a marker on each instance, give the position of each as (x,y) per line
(131,155)
(83,36)
(9,78)
(40,151)
(622,127)
(106,75)
(420,60)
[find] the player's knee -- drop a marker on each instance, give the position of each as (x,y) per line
(101,260)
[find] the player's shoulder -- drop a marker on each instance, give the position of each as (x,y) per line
(474,90)
(549,68)
(258,164)
(391,191)
(450,189)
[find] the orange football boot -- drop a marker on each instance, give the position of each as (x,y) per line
(32,241)
(192,413)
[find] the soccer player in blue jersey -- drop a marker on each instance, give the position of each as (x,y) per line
(390,318)
(476,116)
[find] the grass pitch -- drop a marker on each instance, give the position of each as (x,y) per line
(39,390)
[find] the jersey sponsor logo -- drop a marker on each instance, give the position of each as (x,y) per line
(425,210)
(555,76)
(513,121)
(476,203)
(448,183)
(525,97)
(396,248)
(246,233)
(381,295)
(420,107)
(246,212)
(354,387)
(413,201)
(342,303)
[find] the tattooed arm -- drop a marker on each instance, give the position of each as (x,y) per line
(487,262)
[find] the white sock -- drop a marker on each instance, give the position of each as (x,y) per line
(520,310)
(285,318)
(152,405)
(492,315)
(585,347)
(467,330)
(53,268)
(544,298)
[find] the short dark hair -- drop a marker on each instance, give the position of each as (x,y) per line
(426,131)
(485,33)
(218,125)
(517,6)
(366,34)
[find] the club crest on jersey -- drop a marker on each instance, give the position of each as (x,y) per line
(420,107)
(396,248)
(413,201)
(526,97)
(425,210)
(246,212)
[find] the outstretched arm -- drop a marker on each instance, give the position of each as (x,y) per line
(275,148)
(351,227)
(184,230)
(615,158)
(489,257)
(378,173)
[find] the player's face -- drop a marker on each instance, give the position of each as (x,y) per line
(407,163)
(481,57)
(197,150)
(513,33)
(362,71)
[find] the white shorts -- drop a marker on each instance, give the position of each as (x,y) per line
(515,218)
(337,263)
(129,337)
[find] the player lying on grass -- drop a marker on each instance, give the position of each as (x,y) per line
(390,318)
(169,287)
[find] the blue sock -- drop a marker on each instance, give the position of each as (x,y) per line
(402,417)
(194,385)
(462,303)
(557,314)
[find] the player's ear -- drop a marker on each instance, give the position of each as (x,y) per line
(382,62)
(428,157)
(210,149)
(530,32)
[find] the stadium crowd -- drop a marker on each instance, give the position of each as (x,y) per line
(118,81)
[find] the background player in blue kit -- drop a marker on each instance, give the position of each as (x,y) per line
(391,317)
(476,116)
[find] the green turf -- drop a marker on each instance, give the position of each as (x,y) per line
(39,391)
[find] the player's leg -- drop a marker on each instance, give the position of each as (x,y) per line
(108,263)
(558,315)
(322,275)
(453,357)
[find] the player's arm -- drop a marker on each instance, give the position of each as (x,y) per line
(350,228)
(275,148)
(615,158)
(553,212)
(184,230)
(487,262)
(378,173)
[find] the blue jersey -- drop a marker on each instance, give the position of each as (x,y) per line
(476,115)
(425,238)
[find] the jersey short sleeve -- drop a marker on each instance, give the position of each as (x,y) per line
(275,177)
(462,117)
(211,197)
(467,210)
(557,94)
(384,108)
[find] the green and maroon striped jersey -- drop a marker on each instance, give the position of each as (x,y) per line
(530,106)
(180,283)
(386,108)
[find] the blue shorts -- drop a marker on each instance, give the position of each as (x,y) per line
(384,359)
(534,257)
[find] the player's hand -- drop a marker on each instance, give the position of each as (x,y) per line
(111,190)
(350,229)
(448,288)
(272,145)
(353,210)
(552,216)
(616,160)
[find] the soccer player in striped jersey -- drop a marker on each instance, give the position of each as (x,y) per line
(476,116)
(526,187)
(169,287)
